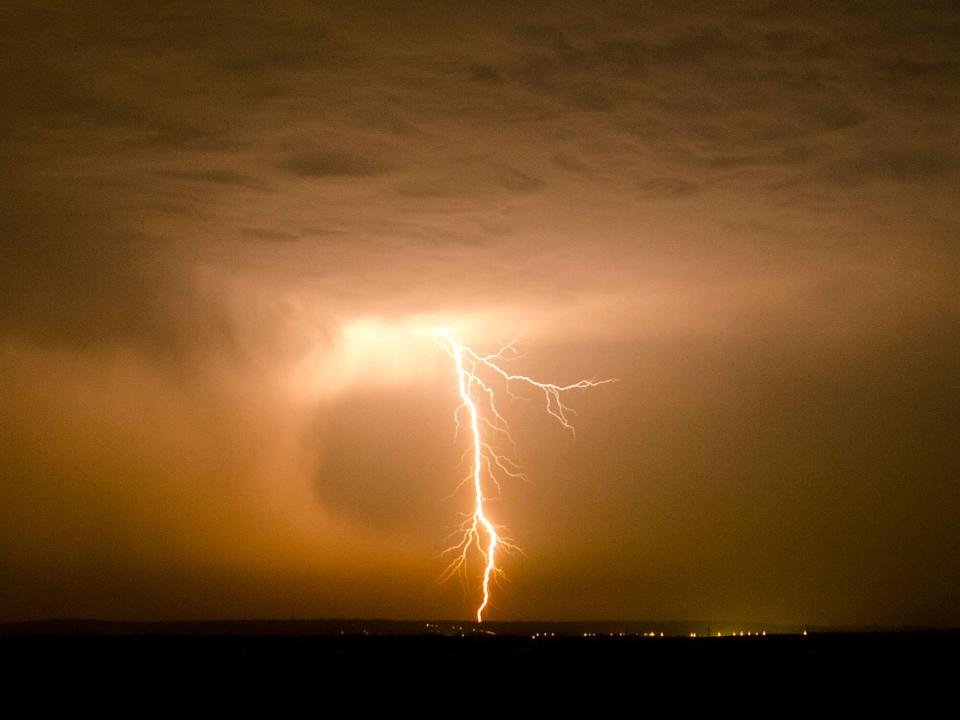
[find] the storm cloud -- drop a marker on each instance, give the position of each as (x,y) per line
(747,213)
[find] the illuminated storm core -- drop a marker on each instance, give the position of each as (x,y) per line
(478,400)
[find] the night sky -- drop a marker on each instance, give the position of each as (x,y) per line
(226,226)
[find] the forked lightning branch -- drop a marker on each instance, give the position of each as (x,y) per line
(479,380)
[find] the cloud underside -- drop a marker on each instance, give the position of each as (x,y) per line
(748,213)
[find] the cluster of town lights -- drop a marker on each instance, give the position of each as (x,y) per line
(735,633)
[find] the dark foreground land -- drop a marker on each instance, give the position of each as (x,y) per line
(334,648)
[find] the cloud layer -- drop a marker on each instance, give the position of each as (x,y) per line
(746,213)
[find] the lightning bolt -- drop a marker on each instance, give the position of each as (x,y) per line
(476,374)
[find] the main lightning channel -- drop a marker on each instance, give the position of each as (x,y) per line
(478,398)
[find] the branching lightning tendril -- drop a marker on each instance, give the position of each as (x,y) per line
(478,401)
